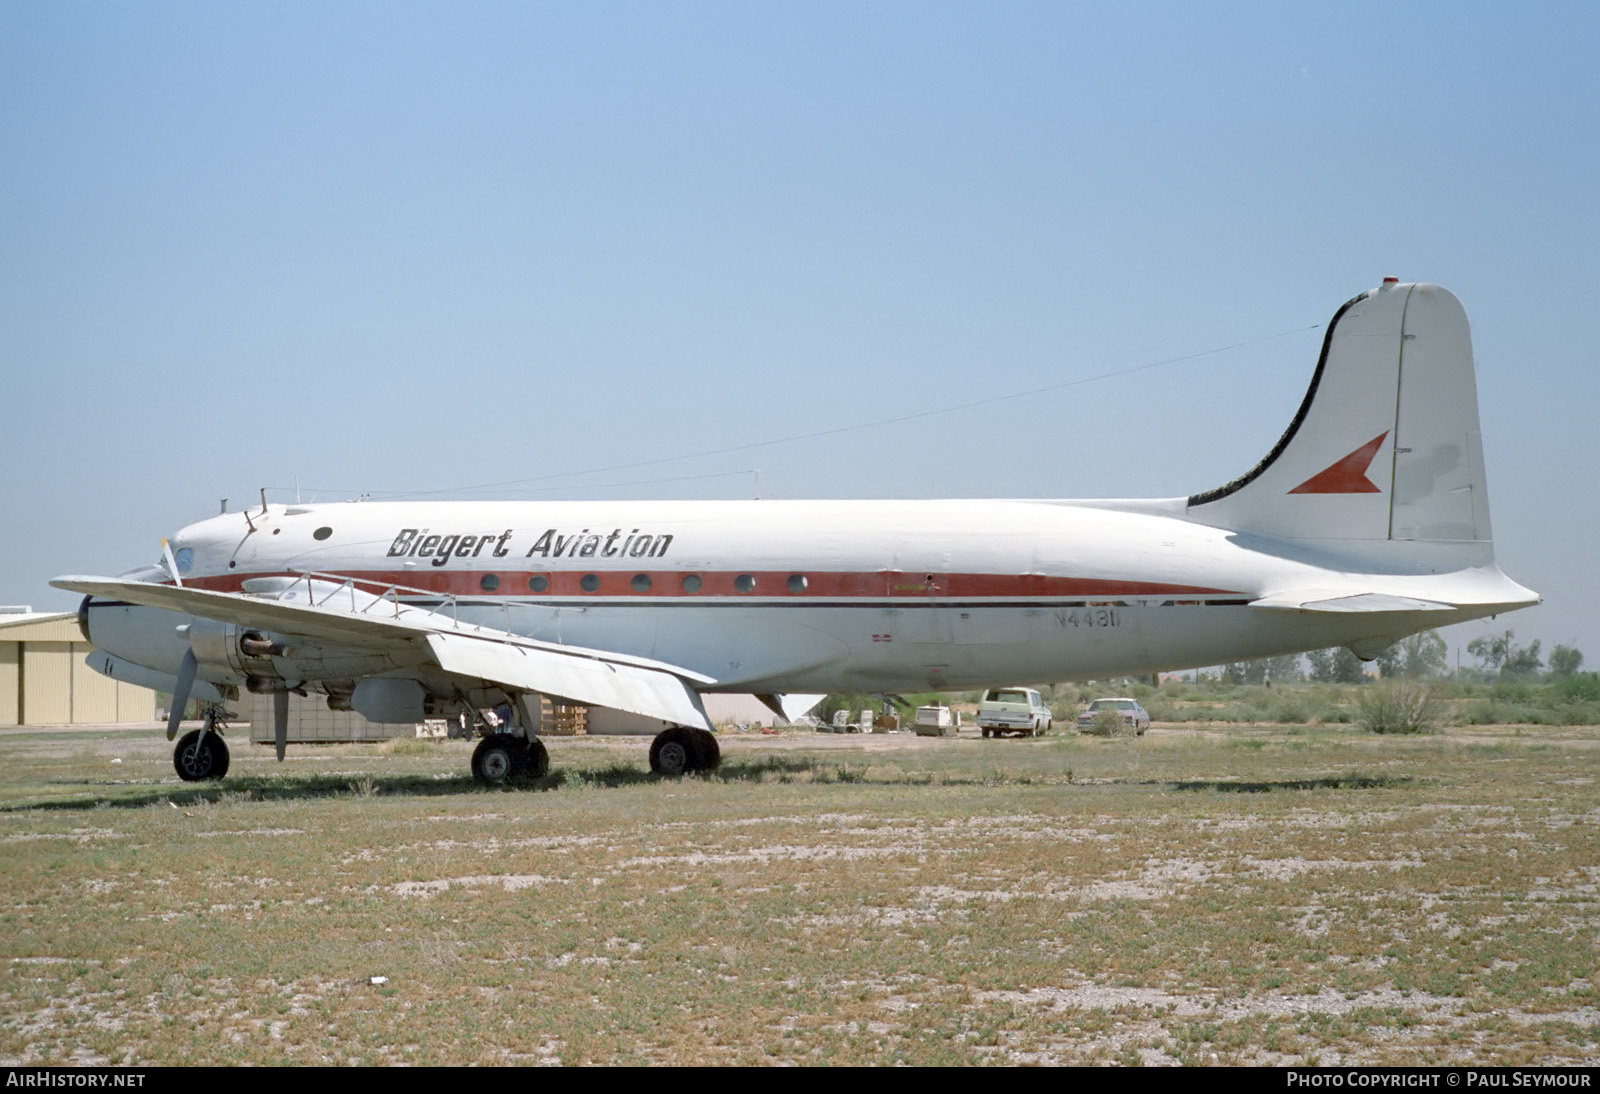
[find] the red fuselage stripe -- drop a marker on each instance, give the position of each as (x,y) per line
(828,585)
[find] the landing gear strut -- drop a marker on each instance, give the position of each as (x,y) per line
(683,750)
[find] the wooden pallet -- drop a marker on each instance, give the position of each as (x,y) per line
(558,720)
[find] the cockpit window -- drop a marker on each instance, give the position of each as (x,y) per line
(184,559)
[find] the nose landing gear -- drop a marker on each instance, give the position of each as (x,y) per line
(201,753)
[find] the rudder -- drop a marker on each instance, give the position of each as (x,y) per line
(1385,444)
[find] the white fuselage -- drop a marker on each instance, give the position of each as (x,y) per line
(819,596)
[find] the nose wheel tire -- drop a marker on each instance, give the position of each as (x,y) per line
(198,757)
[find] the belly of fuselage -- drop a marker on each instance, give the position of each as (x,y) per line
(797,648)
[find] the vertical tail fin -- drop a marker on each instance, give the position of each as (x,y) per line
(1385,444)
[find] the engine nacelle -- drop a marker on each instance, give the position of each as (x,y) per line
(267,662)
(216,647)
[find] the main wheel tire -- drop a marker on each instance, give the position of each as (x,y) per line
(538,760)
(500,756)
(676,752)
(710,750)
(195,759)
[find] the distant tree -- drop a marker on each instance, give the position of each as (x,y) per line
(1491,651)
(1263,670)
(1565,661)
(1336,666)
(1499,655)
(1523,660)
(1422,656)
(1283,668)
(1427,656)
(1320,666)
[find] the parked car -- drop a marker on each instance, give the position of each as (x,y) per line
(1013,710)
(1133,715)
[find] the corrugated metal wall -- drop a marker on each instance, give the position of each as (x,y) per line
(10,683)
(46,683)
(311,720)
(45,679)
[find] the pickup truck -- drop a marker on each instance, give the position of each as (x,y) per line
(1013,710)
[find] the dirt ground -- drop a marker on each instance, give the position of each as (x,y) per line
(1203,894)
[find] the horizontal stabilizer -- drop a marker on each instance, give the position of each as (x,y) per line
(1359,602)
(650,692)
(791,708)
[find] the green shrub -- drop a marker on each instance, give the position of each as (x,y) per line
(1108,723)
(1162,709)
(1401,706)
(1514,690)
(1064,709)
(1580,687)
(1289,709)
(1486,712)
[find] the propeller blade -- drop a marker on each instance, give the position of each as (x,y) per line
(172,563)
(180,694)
(280,722)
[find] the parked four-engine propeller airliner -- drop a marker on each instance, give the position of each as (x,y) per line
(1368,521)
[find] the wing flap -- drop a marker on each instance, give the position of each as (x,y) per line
(1353,604)
(653,693)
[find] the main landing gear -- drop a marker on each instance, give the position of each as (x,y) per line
(201,753)
(678,750)
(502,756)
(683,750)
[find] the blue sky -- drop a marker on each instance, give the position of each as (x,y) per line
(406,248)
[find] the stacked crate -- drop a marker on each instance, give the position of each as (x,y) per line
(559,720)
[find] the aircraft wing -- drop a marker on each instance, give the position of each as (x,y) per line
(595,677)
(652,692)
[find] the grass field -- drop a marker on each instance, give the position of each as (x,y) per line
(1199,895)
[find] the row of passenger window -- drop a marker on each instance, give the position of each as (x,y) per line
(642,583)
